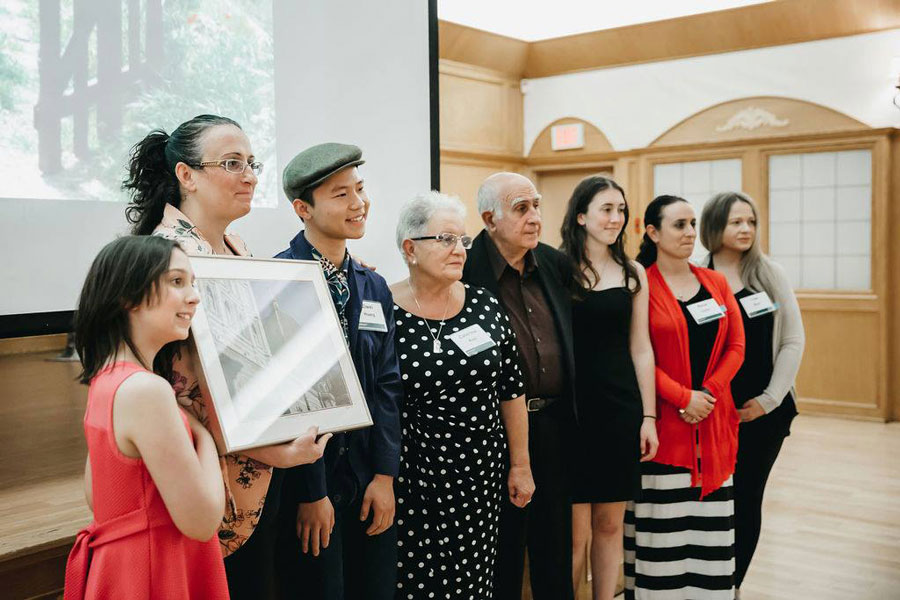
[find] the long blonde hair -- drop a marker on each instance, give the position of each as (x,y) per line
(757,271)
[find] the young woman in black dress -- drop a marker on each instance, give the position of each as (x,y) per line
(615,376)
(763,389)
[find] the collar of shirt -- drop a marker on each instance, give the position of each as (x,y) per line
(175,225)
(499,264)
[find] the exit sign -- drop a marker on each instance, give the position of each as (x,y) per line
(567,137)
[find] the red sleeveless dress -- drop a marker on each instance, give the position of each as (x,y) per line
(132,549)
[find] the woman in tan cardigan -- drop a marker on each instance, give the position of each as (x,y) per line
(763,389)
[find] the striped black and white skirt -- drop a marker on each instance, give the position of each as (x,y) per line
(678,547)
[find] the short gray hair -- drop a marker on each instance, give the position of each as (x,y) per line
(490,190)
(415,214)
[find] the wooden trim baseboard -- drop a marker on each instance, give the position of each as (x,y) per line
(459,154)
(36,343)
(838,408)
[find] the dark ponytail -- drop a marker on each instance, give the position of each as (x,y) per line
(151,177)
(653,216)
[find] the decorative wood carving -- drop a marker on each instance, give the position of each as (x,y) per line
(751,118)
(757,117)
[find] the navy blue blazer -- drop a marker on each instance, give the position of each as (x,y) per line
(374,449)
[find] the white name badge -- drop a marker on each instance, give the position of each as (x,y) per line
(472,340)
(706,311)
(758,304)
(371,317)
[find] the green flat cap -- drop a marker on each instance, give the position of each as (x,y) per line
(316,164)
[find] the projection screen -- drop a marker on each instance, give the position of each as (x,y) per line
(82,80)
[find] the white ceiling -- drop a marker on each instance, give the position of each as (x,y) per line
(533,20)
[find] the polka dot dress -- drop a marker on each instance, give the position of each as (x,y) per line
(453,461)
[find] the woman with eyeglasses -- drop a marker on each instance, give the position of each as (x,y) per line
(464,407)
(189,186)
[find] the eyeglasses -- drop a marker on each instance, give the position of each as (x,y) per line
(233,165)
(447,239)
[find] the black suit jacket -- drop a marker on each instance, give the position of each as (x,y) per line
(554,274)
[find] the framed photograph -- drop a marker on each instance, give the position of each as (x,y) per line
(272,352)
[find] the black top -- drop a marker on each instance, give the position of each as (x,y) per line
(701,339)
(606,465)
(606,385)
(756,372)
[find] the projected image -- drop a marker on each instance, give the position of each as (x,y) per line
(82,80)
(252,321)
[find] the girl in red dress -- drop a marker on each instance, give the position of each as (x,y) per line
(152,477)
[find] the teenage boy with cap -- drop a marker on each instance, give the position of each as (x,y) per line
(339,540)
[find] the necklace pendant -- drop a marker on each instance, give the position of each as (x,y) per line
(437,346)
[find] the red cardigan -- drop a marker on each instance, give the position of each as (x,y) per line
(669,335)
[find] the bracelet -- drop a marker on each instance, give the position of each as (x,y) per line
(650,417)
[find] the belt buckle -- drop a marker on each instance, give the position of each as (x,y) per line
(539,403)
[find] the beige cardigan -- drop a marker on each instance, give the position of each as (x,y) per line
(788,340)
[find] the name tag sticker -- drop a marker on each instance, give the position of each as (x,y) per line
(706,311)
(371,317)
(758,304)
(472,340)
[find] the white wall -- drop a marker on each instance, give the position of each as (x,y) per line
(358,74)
(634,105)
(348,71)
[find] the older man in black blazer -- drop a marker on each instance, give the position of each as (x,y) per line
(531,281)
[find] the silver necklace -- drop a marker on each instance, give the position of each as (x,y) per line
(436,339)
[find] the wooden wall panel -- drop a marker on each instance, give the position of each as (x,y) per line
(481,111)
(475,47)
(834,376)
(893,282)
(37,343)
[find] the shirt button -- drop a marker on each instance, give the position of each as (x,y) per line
(543,370)
(529,309)
(538,340)
(342,450)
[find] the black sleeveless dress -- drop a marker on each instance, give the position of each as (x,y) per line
(607,463)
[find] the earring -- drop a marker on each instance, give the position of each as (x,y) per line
(413,261)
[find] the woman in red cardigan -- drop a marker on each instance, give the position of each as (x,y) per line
(679,537)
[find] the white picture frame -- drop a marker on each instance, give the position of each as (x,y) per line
(272,352)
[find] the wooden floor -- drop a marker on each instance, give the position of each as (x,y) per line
(831,528)
(831,520)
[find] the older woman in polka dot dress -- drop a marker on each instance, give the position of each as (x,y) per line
(465,428)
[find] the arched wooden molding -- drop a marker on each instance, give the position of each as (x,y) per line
(594,141)
(757,117)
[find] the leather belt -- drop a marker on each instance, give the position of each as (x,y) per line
(536,404)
